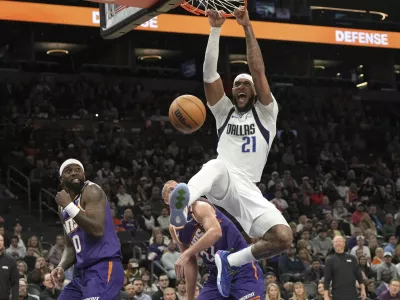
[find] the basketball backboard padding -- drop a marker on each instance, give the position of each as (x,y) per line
(137,18)
(132,3)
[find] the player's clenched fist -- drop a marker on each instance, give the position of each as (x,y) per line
(215,18)
(63,198)
(57,276)
(242,16)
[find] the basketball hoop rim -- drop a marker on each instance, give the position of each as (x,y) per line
(197,11)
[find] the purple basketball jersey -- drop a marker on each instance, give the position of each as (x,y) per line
(88,249)
(231,238)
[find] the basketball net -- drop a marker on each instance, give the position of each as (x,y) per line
(200,7)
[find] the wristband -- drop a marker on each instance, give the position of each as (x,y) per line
(72,210)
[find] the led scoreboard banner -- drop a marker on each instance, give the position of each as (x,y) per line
(83,16)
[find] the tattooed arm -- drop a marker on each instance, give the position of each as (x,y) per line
(254,58)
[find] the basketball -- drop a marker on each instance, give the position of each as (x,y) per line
(187,113)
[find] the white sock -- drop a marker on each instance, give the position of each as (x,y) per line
(201,183)
(241,257)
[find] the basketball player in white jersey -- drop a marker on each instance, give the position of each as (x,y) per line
(246,130)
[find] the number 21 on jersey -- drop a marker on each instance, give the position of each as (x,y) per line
(77,243)
(249,144)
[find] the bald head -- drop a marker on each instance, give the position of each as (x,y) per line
(339,244)
(167,189)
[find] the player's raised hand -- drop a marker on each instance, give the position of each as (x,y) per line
(215,18)
(242,16)
(57,275)
(63,198)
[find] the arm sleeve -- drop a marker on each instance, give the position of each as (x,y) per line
(328,274)
(14,281)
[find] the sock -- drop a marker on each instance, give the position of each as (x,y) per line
(241,257)
(201,183)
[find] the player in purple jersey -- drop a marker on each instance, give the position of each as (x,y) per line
(206,231)
(91,242)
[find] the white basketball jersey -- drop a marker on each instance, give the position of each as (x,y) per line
(245,138)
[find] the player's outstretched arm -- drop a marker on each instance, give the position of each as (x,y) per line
(92,221)
(213,86)
(254,58)
(185,266)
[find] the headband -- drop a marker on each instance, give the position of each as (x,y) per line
(244,76)
(68,162)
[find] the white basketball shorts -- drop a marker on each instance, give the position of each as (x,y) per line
(240,197)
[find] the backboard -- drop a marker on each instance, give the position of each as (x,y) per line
(118,19)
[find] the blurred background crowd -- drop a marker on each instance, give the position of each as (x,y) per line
(333,169)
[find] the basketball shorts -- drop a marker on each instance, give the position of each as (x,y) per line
(243,200)
(102,281)
(247,284)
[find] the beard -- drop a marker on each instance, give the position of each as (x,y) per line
(75,187)
(248,105)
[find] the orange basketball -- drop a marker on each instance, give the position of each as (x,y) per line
(187,113)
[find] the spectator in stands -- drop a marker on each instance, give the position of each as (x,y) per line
(322,244)
(147,221)
(138,293)
(370,289)
(155,231)
(315,272)
(18,232)
(181,289)
(128,222)
(374,217)
(334,230)
(387,266)
(302,222)
(320,291)
(392,244)
(389,228)
(50,291)
(148,286)
(132,271)
(361,245)
(169,259)
(30,258)
(299,292)
(14,250)
(169,294)
(378,259)
(365,268)
(393,292)
(130,290)
(163,219)
(22,269)
(57,250)
(280,203)
(124,200)
(105,172)
(273,292)
(290,264)
(156,249)
(163,283)
(23,291)
(352,242)
(384,286)
(33,242)
(368,224)
(358,215)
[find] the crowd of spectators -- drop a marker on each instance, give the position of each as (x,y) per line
(332,170)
